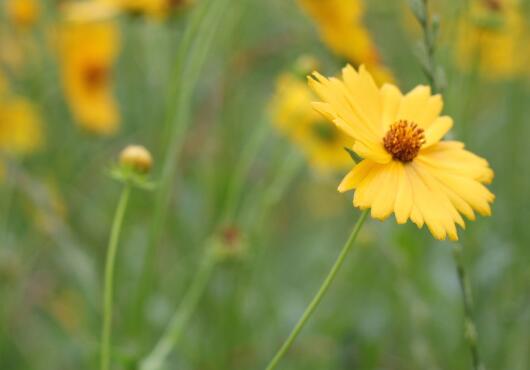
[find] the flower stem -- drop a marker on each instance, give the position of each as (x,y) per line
(470,329)
(189,62)
(109,277)
(173,332)
(320,294)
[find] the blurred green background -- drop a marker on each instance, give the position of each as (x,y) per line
(395,305)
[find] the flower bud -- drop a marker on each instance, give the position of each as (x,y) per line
(230,243)
(137,158)
(304,65)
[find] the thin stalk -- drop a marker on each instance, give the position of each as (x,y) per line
(156,358)
(470,329)
(8,196)
(191,57)
(429,27)
(170,338)
(109,276)
(290,168)
(247,158)
(320,294)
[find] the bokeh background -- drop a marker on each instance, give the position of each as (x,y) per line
(199,84)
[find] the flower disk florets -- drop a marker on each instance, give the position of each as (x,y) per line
(404,140)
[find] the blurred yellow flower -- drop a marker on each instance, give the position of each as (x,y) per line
(406,168)
(321,142)
(20,126)
(88,44)
(493,38)
(341,27)
(23,13)
(153,8)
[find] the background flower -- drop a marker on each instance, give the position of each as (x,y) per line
(88,44)
(322,143)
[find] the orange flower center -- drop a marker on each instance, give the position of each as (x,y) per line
(95,76)
(404,140)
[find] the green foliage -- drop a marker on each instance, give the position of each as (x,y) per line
(395,305)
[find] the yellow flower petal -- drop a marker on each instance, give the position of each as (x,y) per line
(383,204)
(451,156)
(374,152)
(391,97)
(321,142)
(435,132)
(419,107)
(404,199)
(355,176)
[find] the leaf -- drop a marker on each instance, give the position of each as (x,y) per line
(352,154)
(418,8)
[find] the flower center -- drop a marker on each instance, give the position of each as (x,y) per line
(404,140)
(95,76)
(324,131)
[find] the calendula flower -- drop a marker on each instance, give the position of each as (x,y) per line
(493,38)
(321,142)
(89,41)
(340,24)
(23,13)
(407,169)
(154,8)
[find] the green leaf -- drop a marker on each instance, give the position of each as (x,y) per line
(352,154)
(418,8)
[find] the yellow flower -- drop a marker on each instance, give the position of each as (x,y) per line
(154,8)
(88,45)
(321,142)
(23,13)
(341,27)
(20,126)
(493,37)
(406,168)
(334,13)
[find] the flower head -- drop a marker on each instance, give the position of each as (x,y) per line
(20,123)
(321,141)
(341,27)
(88,44)
(407,169)
(157,9)
(23,13)
(136,158)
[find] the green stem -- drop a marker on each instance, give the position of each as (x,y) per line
(173,332)
(320,294)
(8,196)
(109,277)
(470,331)
(247,158)
(190,59)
